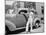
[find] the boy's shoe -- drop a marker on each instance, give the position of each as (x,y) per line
(26,32)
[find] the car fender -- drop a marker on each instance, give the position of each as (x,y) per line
(37,18)
(10,25)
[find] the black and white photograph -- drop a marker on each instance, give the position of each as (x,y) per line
(23,17)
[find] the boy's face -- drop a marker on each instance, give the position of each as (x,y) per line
(31,13)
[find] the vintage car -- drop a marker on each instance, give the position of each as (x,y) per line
(19,21)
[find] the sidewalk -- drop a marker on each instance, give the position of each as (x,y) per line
(38,30)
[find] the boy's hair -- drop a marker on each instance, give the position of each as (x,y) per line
(32,11)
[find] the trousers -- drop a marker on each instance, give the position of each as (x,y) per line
(30,20)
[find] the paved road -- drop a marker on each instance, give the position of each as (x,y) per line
(38,30)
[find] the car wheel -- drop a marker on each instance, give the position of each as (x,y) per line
(37,23)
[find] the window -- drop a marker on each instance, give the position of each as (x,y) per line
(42,9)
(42,18)
(25,11)
(29,5)
(16,4)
